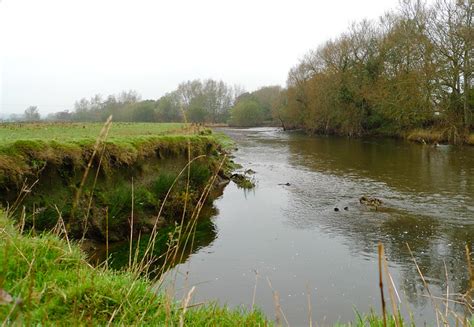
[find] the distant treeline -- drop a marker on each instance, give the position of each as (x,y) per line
(195,101)
(410,69)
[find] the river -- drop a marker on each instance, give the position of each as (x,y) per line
(289,238)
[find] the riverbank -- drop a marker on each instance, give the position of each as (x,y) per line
(96,177)
(420,135)
(440,136)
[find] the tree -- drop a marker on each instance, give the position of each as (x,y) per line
(450,29)
(267,97)
(60,116)
(246,113)
(143,111)
(207,101)
(168,108)
(31,114)
(389,76)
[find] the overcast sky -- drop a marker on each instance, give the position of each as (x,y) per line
(54,52)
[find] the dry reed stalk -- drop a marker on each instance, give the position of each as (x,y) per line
(131,228)
(187,188)
(186,301)
(33,218)
(107,237)
(392,291)
(24,191)
(151,243)
(168,296)
(310,308)
(384,314)
(470,269)
(91,196)
(447,289)
(62,228)
(16,248)
(276,301)
(255,289)
(22,220)
(133,268)
(121,303)
(425,284)
(99,141)
(191,226)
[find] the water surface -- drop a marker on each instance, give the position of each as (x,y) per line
(291,237)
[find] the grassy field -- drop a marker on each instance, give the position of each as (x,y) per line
(27,148)
(11,132)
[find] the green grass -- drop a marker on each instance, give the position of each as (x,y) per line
(66,132)
(25,149)
(54,285)
(226,141)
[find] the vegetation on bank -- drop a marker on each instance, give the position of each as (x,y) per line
(95,184)
(26,149)
(51,283)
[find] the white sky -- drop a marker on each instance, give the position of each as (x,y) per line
(53,52)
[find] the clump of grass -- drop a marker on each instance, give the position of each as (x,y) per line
(199,174)
(53,284)
(163,183)
(470,139)
(224,140)
(426,136)
(243,181)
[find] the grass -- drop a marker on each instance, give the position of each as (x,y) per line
(470,139)
(27,149)
(60,155)
(428,136)
(53,284)
(440,135)
(66,132)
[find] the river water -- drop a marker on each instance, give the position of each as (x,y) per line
(291,238)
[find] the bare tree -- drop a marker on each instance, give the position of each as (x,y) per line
(31,114)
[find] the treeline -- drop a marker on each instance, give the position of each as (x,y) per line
(194,101)
(410,69)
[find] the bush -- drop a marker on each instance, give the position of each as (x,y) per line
(246,113)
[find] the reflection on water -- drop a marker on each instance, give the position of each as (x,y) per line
(292,235)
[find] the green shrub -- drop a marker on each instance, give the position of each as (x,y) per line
(246,113)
